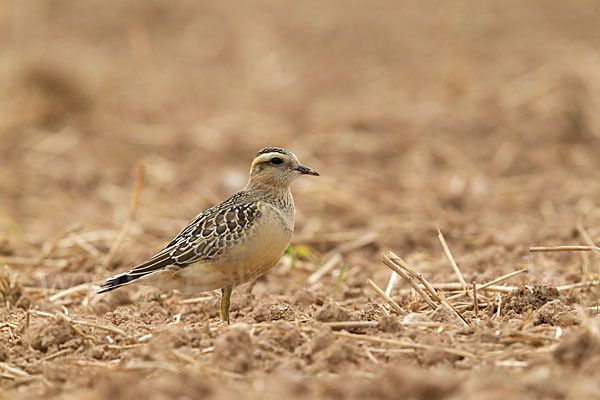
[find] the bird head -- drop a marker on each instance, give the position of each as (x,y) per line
(277,167)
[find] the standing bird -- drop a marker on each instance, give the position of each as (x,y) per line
(233,242)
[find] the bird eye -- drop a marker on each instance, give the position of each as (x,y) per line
(276,160)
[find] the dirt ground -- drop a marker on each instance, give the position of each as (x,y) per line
(481,119)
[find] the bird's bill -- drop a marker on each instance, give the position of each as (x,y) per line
(307,171)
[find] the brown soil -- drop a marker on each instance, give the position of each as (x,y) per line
(481,119)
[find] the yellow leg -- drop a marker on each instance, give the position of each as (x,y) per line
(225,303)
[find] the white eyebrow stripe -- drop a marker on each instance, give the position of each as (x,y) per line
(267,157)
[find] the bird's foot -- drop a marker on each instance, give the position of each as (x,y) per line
(225,303)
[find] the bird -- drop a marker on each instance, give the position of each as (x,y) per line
(232,243)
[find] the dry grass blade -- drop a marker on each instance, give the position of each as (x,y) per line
(461,279)
(8,325)
(511,364)
(491,284)
(387,298)
(197,300)
(391,282)
(578,285)
(32,262)
(371,324)
(423,324)
(81,333)
(95,363)
(590,242)
(512,353)
(50,246)
(9,285)
(84,287)
(99,326)
(325,268)
(151,365)
(384,310)
(12,369)
(351,324)
(184,357)
(445,301)
(82,243)
(411,280)
(130,219)
(457,286)
(88,237)
(475,301)
(125,346)
(499,307)
(355,244)
(370,356)
(405,344)
(439,296)
(521,337)
(79,322)
(502,278)
(542,249)
(56,354)
(587,238)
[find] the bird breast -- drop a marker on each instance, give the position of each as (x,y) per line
(267,241)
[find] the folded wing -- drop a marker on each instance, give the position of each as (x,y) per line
(205,238)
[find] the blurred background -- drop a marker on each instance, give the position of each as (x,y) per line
(481,118)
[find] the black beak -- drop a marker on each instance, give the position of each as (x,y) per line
(307,171)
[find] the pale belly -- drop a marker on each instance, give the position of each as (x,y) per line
(242,263)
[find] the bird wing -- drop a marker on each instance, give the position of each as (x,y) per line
(212,232)
(205,238)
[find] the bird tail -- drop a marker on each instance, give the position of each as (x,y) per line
(154,264)
(115,282)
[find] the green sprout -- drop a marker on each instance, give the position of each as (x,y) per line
(338,285)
